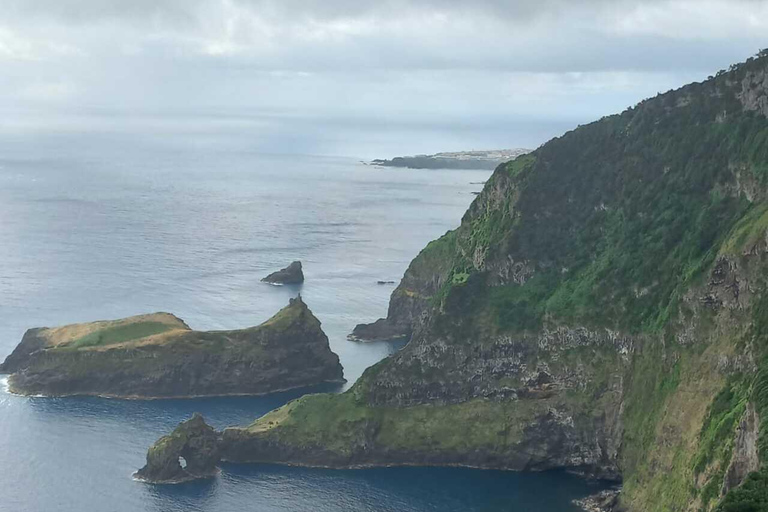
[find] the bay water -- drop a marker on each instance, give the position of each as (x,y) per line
(106,225)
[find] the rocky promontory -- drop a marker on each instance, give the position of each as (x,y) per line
(483,159)
(159,356)
(292,274)
(190,452)
(381,329)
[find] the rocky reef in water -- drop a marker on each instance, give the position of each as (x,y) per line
(602,308)
(292,274)
(159,356)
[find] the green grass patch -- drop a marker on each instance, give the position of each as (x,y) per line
(121,334)
(747,231)
(460,278)
(342,424)
(724,413)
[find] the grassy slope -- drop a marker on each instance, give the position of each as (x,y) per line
(120,334)
(111,332)
(144,329)
(332,422)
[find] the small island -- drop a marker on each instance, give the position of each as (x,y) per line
(292,274)
(159,356)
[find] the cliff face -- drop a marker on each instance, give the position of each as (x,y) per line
(159,356)
(603,307)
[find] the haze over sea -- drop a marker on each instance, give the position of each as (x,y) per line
(102,226)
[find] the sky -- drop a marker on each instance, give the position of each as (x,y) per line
(356,77)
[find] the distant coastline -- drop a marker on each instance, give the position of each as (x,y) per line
(486,159)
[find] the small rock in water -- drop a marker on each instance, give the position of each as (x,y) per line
(385,282)
(292,274)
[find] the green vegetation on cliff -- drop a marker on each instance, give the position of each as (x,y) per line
(342,425)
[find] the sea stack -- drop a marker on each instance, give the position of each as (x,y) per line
(190,452)
(159,356)
(292,274)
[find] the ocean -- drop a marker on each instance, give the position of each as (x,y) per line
(106,225)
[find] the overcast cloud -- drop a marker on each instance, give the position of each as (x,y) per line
(357,77)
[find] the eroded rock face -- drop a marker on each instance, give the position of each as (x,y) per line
(190,452)
(30,343)
(497,368)
(409,301)
(754,91)
(292,274)
(745,458)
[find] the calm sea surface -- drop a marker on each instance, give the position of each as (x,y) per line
(105,226)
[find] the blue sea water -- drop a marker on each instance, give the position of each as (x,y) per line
(98,226)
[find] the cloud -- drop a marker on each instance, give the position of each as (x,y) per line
(424,64)
(522,35)
(56,91)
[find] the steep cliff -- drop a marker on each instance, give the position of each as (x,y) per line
(603,307)
(155,356)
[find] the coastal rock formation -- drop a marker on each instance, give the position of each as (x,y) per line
(159,356)
(381,329)
(292,274)
(602,308)
(32,341)
(603,501)
(190,452)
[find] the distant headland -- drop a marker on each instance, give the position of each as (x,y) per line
(488,159)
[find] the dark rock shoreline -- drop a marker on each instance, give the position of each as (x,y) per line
(194,440)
